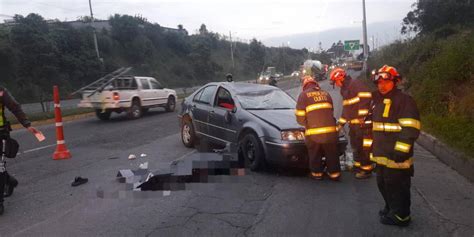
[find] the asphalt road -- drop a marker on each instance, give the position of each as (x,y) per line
(271,203)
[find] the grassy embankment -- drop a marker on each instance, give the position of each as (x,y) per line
(438,72)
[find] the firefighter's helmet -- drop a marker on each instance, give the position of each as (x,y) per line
(229,77)
(387,73)
(312,68)
(337,74)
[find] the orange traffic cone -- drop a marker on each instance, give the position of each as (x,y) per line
(61,150)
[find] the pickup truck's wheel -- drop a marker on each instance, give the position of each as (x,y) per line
(103,116)
(171,105)
(135,111)
(252,152)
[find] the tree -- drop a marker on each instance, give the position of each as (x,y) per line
(429,15)
(203,30)
(256,56)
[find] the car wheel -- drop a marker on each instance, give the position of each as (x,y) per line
(252,152)
(103,115)
(171,105)
(145,110)
(187,134)
(135,111)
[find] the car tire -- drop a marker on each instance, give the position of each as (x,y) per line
(188,136)
(171,104)
(145,110)
(103,115)
(252,152)
(135,111)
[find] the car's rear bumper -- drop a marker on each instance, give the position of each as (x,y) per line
(103,105)
(286,154)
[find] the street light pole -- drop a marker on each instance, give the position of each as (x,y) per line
(95,36)
(364,26)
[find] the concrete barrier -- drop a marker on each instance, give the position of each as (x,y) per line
(456,160)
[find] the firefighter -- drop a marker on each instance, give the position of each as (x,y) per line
(229,77)
(356,102)
(314,111)
(10,103)
(396,126)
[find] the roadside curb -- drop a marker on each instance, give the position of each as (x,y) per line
(448,156)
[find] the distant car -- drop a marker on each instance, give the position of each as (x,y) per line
(295,74)
(131,94)
(259,119)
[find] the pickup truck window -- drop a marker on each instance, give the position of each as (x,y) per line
(145,84)
(155,85)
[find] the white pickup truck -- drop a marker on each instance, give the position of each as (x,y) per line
(131,94)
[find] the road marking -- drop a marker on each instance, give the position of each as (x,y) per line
(37,149)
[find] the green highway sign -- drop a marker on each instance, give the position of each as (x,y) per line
(351,45)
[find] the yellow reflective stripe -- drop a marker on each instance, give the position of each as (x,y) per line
(316,131)
(355,121)
(351,101)
(300,112)
(364,95)
(367,142)
(408,122)
(388,103)
(314,174)
(342,120)
(1,116)
(384,161)
(363,112)
(387,127)
(402,219)
(335,174)
(356,164)
(317,106)
(367,167)
(403,147)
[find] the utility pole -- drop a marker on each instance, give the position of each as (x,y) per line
(95,36)
(231,51)
(364,26)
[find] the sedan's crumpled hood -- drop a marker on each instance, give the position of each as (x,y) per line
(282,119)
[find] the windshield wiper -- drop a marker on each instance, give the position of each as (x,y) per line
(283,108)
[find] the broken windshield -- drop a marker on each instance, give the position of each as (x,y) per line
(266,100)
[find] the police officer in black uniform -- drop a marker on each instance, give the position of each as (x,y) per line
(7,101)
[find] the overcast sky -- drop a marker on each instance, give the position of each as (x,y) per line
(245,18)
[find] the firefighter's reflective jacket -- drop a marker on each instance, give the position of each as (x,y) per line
(6,100)
(396,126)
(314,111)
(356,100)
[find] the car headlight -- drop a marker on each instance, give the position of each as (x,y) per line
(292,135)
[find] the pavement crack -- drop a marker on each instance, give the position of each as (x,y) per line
(439,213)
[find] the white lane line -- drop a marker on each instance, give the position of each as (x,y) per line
(37,149)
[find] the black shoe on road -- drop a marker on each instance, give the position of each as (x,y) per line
(11,186)
(394,220)
(78,181)
(2,209)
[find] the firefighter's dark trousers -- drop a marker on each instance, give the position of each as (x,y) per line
(394,185)
(316,152)
(361,155)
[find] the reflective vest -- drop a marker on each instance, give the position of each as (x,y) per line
(314,111)
(396,126)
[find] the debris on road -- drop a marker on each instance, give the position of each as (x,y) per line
(78,181)
(143,166)
(132,157)
(143,155)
